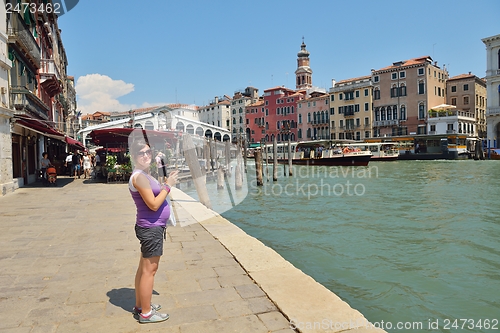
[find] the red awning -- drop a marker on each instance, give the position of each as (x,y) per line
(39,127)
(118,137)
(73,142)
(111,150)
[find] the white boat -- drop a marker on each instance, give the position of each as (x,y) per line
(319,152)
(381,151)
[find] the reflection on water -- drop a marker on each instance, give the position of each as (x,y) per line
(420,243)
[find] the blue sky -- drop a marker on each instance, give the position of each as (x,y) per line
(131,54)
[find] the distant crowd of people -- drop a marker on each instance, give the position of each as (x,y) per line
(77,164)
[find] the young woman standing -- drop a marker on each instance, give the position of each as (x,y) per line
(153,212)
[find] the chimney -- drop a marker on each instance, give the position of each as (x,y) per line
(216,100)
(333,83)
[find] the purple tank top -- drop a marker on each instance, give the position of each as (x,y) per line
(147,218)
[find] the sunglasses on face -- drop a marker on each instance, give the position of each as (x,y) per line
(144,153)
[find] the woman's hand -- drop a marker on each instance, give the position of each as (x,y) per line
(172,178)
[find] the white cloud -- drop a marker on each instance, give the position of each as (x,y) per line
(98,92)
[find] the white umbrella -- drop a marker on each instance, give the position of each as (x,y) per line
(443,107)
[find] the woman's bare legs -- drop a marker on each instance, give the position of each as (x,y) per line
(144,281)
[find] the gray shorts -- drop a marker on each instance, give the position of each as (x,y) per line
(151,240)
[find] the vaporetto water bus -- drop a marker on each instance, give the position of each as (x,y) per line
(434,147)
(381,151)
(319,152)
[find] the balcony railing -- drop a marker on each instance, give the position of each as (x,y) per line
(20,34)
(48,67)
(24,100)
(451,132)
(382,123)
(493,111)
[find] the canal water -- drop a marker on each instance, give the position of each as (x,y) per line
(403,242)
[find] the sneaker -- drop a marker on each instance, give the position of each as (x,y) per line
(154,317)
(154,307)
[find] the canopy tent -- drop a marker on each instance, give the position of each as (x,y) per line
(38,126)
(119,137)
(73,142)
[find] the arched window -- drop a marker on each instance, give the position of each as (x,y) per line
(376,93)
(308,132)
(377,114)
(421,111)
(389,113)
(309,117)
(241,120)
(402,90)
(403,113)
(300,119)
(299,133)
(394,90)
(382,113)
(421,87)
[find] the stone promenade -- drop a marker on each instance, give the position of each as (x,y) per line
(69,254)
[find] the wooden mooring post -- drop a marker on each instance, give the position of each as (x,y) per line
(258,166)
(220,178)
(228,158)
(238,170)
(290,169)
(275,160)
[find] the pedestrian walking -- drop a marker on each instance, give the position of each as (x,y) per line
(87,164)
(153,211)
(77,163)
(160,166)
(68,163)
(44,164)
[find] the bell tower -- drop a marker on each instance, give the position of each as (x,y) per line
(303,74)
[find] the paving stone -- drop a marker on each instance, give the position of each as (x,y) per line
(274,320)
(207,297)
(247,324)
(234,280)
(286,330)
(190,314)
(261,305)
(233,308)
(229,270)
(209,283)
(249,291)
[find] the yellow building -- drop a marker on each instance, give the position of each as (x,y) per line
(351,109)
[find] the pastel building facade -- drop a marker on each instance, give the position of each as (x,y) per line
(351,108)
(313,117)
(403,93)
(468,93)
(239,103)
